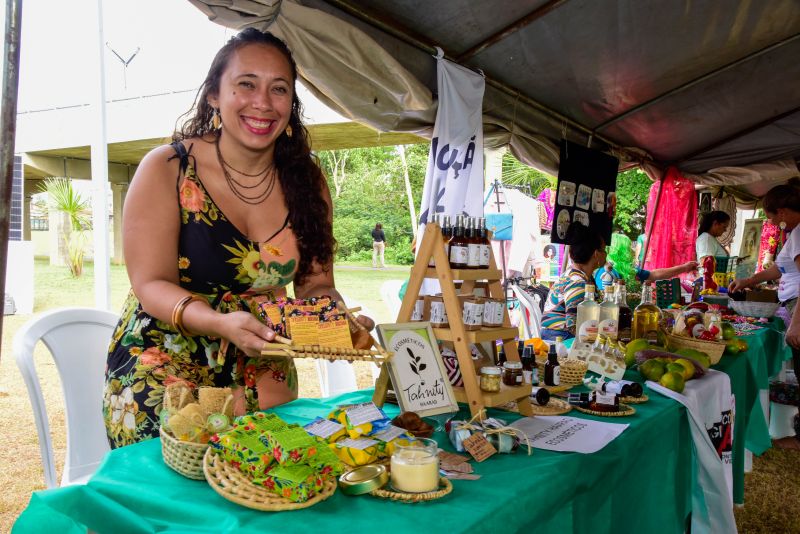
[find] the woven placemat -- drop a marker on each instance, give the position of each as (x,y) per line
(554,407)
(445,487)
(635,400)
(556,389)
(233,485)
(624,410)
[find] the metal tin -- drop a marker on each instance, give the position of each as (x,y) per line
(363,479)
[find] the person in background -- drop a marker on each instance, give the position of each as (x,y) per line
(620,265)
(712,225)
(232,212)
(378,246)
(782,207)
(587,250)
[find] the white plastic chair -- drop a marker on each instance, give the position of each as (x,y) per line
(78,340)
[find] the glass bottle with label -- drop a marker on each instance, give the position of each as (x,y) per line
(473,244)
(625,320)
(588,317)
(646,317)
(540,396)
(458,246)
(447,233)
(552,369)
(528,364)
(609,315)
(486,245)
(625,388)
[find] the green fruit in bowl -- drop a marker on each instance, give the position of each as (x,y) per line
(688,366)
(673,381)
(632,348)
(675,367)
(728,332)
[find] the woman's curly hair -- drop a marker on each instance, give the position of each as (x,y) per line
(301,178)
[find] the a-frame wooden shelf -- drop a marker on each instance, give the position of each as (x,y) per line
(432,246)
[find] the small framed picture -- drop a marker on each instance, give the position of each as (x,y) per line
(751,240)
(417,371)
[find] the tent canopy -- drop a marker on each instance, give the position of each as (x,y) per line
(705,86)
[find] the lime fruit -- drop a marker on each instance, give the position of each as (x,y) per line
(688,366)
(652,370)
(674,367)
(632,348)
(673,381)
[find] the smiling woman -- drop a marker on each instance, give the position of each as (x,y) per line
(228,215)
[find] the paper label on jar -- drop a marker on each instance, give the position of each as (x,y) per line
(485,256)
(438,313)
(459,254)
(416,313)
(473,255)
(588,331)
(604,398)
(473,313)
(492,313)
(608,328)
(518,379)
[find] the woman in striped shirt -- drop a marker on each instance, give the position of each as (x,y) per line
(587,250)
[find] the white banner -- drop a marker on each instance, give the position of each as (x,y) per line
(711,408)
(454,180)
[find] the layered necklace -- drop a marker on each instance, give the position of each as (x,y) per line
(252,194)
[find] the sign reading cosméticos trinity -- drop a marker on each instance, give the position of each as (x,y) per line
(418,376)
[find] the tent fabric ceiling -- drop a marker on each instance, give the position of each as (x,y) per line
(701,85)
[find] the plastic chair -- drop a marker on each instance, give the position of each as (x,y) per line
(78,339)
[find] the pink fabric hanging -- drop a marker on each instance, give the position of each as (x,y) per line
(771,237)
(675,233)
(548,200)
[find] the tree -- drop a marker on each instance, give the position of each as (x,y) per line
(633,190)
(64,199)
(517,173)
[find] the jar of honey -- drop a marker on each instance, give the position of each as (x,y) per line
(490,379)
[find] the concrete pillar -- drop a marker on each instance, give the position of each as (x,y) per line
(118,192)
(27,197)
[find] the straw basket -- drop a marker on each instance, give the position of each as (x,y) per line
(185,457)
(714,349)
(572,370)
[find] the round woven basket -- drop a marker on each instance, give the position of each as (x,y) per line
(754,309)
(714,349)
(624,410)
(572,370)
(185,457)
(554,407)
(233,485)
(635,400)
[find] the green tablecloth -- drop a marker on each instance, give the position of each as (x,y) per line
(640,482)
(749,372)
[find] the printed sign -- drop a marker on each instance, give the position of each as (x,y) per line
(417,371)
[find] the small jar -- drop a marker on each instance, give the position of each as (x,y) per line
(472,313)
(438,313)
(512,373)
(490,379)
(493,313)
(417,312)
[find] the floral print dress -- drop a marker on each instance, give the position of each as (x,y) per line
(216,261)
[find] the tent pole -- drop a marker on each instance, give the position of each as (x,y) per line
(8,128)
(653,224)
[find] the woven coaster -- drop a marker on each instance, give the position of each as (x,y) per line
(624,410)
(635,400)
(554,407)
(387,492)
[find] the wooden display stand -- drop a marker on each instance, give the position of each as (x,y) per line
(433,246)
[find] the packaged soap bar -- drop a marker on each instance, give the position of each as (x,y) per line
(325,462)
(291,446)
(245,450)
(298,483)
(261,421)
(361,419)
(356,452)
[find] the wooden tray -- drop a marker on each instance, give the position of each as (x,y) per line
(233,485)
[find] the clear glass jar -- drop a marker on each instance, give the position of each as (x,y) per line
(512,373)
(415,467)
(490,379)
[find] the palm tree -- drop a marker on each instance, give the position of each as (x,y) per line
(64,199)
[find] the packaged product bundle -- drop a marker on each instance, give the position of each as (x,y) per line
(359,420)
(244,449)
(291,445)
(355,452)
(298,483)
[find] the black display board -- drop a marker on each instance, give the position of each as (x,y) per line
(586,190)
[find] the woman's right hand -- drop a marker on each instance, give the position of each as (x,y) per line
(246,332)
(738,285)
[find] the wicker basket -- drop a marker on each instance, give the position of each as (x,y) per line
(754,309)
(185,457)
(572,370)
(714,349)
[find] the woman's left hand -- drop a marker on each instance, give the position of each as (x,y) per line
(793,335)
(366,322)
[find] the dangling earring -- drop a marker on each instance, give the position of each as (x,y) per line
(216,119)
(288,131)
(782,225)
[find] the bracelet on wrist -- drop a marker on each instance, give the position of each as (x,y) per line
(177,313)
